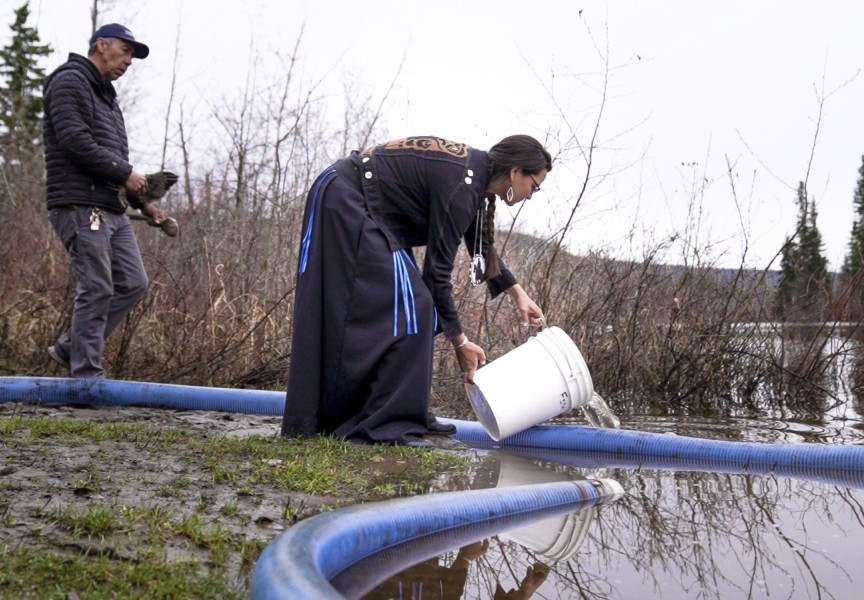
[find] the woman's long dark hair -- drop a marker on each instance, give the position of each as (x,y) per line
(523,152)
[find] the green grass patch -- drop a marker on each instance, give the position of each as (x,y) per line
(319,465)
(43,574)
(97,520)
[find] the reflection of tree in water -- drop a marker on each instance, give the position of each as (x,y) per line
(716,534)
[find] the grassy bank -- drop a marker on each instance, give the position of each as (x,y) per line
(130,503)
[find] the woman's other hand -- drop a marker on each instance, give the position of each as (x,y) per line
(470,356)
(529,312)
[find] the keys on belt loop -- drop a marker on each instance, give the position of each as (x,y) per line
(96,218)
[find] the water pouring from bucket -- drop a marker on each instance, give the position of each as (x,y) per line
(537,381)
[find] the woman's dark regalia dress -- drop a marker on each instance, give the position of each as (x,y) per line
(365,317)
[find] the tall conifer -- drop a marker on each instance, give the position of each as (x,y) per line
(805,281)
(21,91)
(854,260)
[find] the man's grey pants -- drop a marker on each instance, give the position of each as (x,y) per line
(111,279)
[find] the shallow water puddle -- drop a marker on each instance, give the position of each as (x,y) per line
(675,534)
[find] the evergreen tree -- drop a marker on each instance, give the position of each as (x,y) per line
(853,261)
(788,271)
(804,282)
(22,80)
(813,261)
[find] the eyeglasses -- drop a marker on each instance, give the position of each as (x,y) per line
(535,187)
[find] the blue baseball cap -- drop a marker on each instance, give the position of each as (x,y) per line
(116,30)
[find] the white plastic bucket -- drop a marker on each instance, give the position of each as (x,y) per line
(541,379)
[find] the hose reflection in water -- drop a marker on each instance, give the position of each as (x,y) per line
(549,540)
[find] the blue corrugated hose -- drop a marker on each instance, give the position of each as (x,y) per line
(301,562)
(843,465)
(111,392)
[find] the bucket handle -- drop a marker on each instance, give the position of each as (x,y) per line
(564,351)
(527,328)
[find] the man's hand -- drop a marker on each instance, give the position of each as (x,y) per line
(136,184)
(153,214)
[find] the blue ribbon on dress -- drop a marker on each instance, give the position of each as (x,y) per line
(325,176)
(402,283)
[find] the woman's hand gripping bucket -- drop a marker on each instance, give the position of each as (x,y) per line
(537,381)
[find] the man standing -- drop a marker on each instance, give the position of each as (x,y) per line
(90,183)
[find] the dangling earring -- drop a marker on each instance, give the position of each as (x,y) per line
(509,196)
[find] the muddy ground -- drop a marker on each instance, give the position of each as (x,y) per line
(45,478)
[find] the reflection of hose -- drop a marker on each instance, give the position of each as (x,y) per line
(301,562)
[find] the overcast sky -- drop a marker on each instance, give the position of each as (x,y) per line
(681,90)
